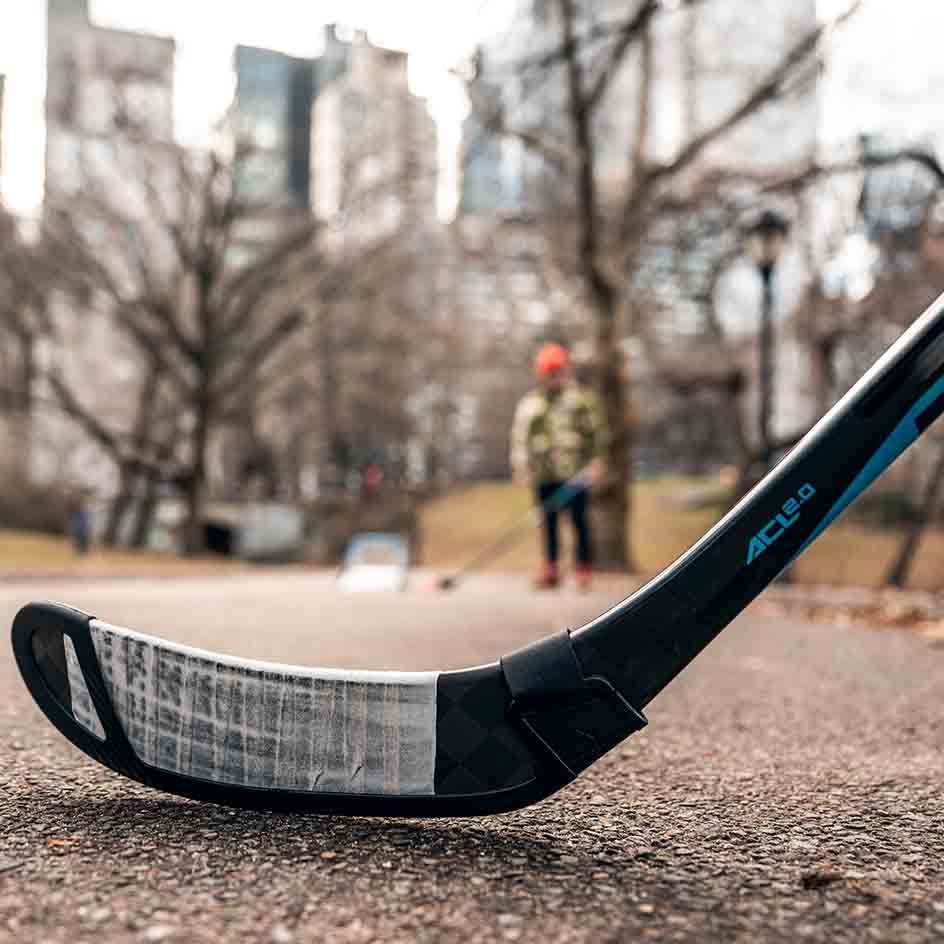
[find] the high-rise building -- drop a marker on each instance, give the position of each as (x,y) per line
(305,118)
(489,169)
(109,116)
(77,11)
(2,85)
(373,142)
(341,136)
(101,84)
(273,111)
(16,353)
(699,77)
(717,74)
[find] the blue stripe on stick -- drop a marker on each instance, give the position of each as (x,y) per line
(903,435)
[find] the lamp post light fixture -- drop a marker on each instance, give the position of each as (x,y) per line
(765,241)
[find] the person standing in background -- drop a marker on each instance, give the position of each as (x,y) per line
(558,442)
(80,525)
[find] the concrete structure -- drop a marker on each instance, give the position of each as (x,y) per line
(322,127)
(272,109)
(363,156)
(374,169)
(778,138)
(16,359)
(491,166)
(109,110)
(699,77)
(101,85)
(2,87)
(373,143)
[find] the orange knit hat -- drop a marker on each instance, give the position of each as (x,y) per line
(551,359)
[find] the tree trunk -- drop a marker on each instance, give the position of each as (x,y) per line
(21,407)
(117,511)
(208,320)
(611,549)
(612,504)
(195,489)
(823,350)
(328,455)
(897,575)
(734,418)
(147,507)
(193,522)
(123,502)
(144,513)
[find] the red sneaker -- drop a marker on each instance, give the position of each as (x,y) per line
(548,579)
(584,577)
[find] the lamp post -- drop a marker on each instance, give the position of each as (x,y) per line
(765,242)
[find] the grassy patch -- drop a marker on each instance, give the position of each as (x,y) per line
(29,553)
(852,553)
(459,525)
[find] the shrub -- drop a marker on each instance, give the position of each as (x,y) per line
(28,506)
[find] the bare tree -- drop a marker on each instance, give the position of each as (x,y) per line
(609,220)
(901,205)
(506,297)
(900,568)
(23,322)
(693,246)
(166,251)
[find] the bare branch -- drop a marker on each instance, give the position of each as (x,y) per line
(586,180)
(816,171)
(240,295)
(632,30)
(770,88)
(643,128)
(262,349)
(494,121)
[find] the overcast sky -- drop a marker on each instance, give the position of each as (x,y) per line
(886,72)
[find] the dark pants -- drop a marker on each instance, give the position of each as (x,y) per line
(574,501)
(81,526)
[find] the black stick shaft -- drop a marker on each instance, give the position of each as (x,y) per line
(645,641)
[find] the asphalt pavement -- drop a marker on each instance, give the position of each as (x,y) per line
(788,787)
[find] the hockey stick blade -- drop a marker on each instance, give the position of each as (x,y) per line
(483,740)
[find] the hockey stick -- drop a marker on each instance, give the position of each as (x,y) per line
(557,500)
(483,740)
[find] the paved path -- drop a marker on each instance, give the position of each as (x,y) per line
(789,787)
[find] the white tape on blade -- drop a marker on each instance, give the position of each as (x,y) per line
(82,708)
(267,725)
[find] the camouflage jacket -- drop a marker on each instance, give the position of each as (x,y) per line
(553,438)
